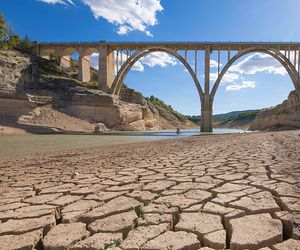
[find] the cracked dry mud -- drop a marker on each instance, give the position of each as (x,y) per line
(213,192)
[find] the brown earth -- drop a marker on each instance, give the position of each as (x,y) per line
(211,192)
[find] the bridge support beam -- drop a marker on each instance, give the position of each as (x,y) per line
(206,104)
(84,71)
(106,67)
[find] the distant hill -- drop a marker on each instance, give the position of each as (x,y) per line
(232,119)
(236,115)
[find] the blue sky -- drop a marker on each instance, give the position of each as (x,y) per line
(255,81)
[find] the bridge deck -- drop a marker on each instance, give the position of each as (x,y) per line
(180,45)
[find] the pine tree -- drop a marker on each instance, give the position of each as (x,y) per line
(9,29)
(26,43)
(14,41)
(3,29)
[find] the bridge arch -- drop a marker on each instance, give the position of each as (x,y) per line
(276,54)
(46,52)
(121,74)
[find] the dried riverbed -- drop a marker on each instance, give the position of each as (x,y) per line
(238,191)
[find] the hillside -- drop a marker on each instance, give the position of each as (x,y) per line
(37,96)
(234,119)
(284,116)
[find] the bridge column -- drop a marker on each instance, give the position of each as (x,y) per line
(106,67)
(206,104)
(84,71)
(206,114)
(65,61)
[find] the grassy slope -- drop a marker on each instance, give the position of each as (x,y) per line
(234,116)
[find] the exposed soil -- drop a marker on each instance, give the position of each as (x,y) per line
(237,191)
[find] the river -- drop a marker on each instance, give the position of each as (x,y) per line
(11,145)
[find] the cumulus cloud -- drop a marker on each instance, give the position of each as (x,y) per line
(94,60)
(123,30)
(227,78)
(66,2)
(258,62)
(214,64)
(243,85)
(128,15)
(160,59)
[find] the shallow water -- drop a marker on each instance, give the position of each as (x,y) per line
(24,144)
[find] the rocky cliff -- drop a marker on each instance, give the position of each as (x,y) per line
(282,117)
(36,93)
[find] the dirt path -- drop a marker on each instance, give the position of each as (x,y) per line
(226,191)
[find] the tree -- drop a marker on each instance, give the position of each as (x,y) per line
(9,29)
(26,43)
(14,41)
(3,30)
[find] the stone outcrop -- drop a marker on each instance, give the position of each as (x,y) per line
(283,116)
(29,83)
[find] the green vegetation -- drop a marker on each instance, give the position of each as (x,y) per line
(194,118)
(3,29)
(10,40)
(249,115)
(234,116)
(159,103)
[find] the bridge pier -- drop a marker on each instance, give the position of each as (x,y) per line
(64,57)
(206,102)
(65,61)
(206,114)
(106,67)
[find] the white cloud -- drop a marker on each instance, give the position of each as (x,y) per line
(148,33)
(94,60)
(123,30)
(258,62)
(227,78)
(66,2)
(128,15)
(161,59)
(243,85)
(214,64)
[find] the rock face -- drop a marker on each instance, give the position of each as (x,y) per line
(283,116)
(28,82)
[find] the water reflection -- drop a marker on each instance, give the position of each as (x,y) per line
(173,133)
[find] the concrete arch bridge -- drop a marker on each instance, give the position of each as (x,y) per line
(116,59)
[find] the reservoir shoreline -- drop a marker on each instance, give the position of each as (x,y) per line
(11,145)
